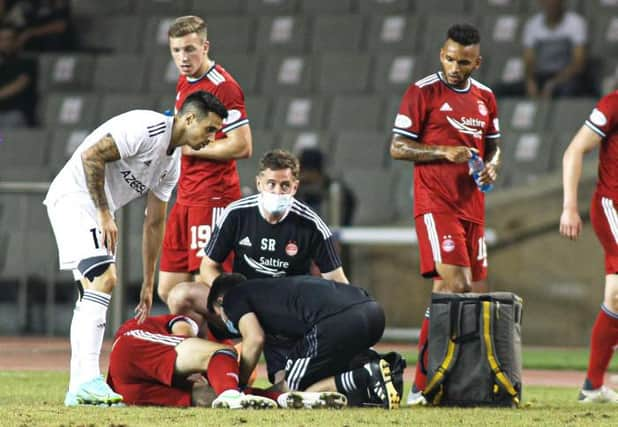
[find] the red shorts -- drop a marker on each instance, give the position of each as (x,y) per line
(604,220)
(446,239)
(187,232)
(141,369)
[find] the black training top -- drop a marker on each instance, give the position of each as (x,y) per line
(290,306)
(262,249)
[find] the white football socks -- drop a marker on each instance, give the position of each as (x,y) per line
(91,325)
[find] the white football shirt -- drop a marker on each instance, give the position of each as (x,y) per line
(142,138)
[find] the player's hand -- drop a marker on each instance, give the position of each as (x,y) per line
(142,310)
(489,174)
(109,230)
(570,223)
(458,154)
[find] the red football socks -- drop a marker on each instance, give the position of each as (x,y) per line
(420,378)
(604,338)
(222,371)
(264,393)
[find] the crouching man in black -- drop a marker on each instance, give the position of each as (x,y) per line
(331,323)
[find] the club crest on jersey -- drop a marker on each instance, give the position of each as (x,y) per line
(291,249)
(448,245)
(482,108)
(467,125)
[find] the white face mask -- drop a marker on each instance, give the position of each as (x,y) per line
(275,204)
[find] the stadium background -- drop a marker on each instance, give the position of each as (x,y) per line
(317,72)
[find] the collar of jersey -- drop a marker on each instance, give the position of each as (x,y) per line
(197,79)
(443,80)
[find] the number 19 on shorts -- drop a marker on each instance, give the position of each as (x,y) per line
(200,235)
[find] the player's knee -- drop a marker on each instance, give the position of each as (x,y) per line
(456,285)
(163,293)
(179,299)
(99,272)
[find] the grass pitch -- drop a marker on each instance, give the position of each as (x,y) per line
(35,399)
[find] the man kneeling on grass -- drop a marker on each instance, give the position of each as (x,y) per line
(155,362)
(331,323)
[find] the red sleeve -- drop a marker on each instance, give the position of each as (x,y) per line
(604,116)
(232,97)
(493,130)
(411,116)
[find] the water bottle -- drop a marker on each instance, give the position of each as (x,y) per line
(476,165)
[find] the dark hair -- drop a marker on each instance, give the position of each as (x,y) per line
(223,283)
(464,34)
(201,103)
(278,160)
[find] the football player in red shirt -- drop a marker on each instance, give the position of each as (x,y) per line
(209,180)
(442,120)
(599,130)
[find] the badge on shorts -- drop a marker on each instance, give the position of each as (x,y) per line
(291,249)
(448,245)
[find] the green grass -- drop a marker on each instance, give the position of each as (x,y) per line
(547,358)
(35,398)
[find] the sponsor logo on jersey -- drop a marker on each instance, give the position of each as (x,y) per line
(291,249)
(446,107)
(133,182)
(268,266)
(482,108)
(245,242)
(403,121)
(448,245)
(467,125)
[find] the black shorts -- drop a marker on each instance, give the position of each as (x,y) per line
(276,351)
(328,348)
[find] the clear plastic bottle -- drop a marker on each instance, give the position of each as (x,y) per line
(476,165)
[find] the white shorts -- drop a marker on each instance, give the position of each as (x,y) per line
(78,235)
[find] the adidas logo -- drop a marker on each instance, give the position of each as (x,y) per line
(148,162)
(245,242)
(446,107)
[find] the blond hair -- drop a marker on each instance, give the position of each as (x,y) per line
(187,25)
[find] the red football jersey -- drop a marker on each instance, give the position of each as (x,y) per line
(204,182)
(604,121)
(155,324)
(434,113)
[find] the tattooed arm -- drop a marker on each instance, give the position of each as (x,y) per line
(403,148)
(93,160)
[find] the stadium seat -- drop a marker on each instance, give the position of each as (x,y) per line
(263,141)
(375,198)
(350,112)
(524,115)
(101,8)
(296,141)
(501,33)
(608,79)
(337,33)
(343,73)
(71,71)
(568,115)
(534,6)
(165,7)
(393,73)
(362,150)
(282,34)
(247,170)
(298,113)
(526,156)
(71,109)
(603,36)
(63,144)
(24,147)
(245,68)
(162,75)
(398,33)
(404,189)
(424,8)
(287,74)
(327,7)
(154,38)
(272,7)
(383,7)
(218,7)
(391,108)
(110,33)
(222,40)
(503,68)
(433,33)
(113,104)
(258,111)
(498,7)
(120,73)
